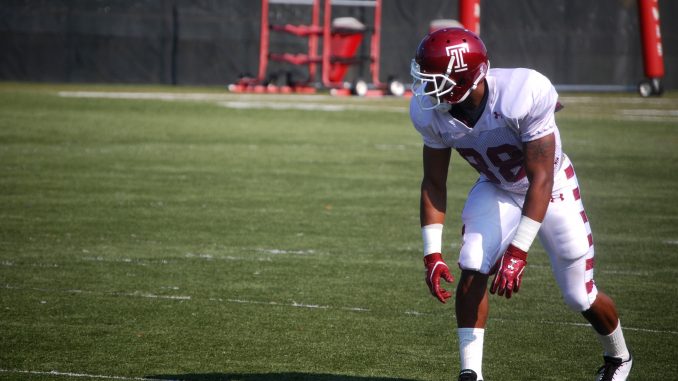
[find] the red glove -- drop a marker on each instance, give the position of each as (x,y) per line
(436,268)
(510,272)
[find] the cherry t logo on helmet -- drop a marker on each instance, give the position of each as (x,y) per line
(457,63)
(448,65)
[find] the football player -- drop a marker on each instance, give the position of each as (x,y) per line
(502,122)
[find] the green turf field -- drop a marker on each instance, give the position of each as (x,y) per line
(194,234)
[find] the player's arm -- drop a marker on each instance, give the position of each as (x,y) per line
(433,203)
(539,156)
(432,208)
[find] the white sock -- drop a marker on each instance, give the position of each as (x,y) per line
(471,349)
(614,344)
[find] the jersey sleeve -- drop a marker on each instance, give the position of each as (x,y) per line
(539,120)
(423,123)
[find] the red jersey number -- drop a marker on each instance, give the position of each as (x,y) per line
(506,158)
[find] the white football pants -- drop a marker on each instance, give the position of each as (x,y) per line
(490,219)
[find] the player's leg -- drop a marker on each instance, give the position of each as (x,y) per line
(604,319)
(490,218)
(471,300)
(599,310)
(566,236)
(602,314)
(472,309)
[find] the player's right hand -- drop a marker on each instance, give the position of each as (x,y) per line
(436,268)
(510,273)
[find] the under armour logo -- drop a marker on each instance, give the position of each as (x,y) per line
(513,262)
(456,54)
(497,115)
(560,196)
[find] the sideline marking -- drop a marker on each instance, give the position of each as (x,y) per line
(565,99)
(169,96)
(135,294)
(138,294)
(310,102)
(293,304)
(245,105)
(282,251)
(69,374)
(227,96)
(551,322)
(237,101)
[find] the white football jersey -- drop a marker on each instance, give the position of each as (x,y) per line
(520,108)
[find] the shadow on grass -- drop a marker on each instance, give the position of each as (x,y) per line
(289,376)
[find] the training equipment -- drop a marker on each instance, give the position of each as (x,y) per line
(653,56)
(436,268)
(614,369)
(449,64)
(510,272)
(337,39)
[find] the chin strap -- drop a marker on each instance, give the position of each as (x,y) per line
(443,107)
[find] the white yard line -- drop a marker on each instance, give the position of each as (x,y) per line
(84,375)
(293,304)
(135,294)
(154,296)
(295,98)
(283,251)
(300,253)
(565,99)
(334,104)
(640,118)
(169,96)
(550,322)
(139,294)
(650,112)
(241,101)
(309,106)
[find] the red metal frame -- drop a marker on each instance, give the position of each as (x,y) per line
(375,46)
(313,32)
(375,39)
(263,41)
(469,15)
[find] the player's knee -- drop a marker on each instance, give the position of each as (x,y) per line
(577,301)
(472,280)
(469,257)
(473,254)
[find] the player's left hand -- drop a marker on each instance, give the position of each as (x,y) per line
(510,272)
(436,268)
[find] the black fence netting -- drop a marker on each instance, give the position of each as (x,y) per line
(214,42)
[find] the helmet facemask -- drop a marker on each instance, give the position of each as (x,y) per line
(434,86)
(441,89)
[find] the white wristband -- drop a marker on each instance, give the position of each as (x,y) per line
(433,238)
(525,234)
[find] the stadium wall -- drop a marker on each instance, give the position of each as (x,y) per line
(213,42)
